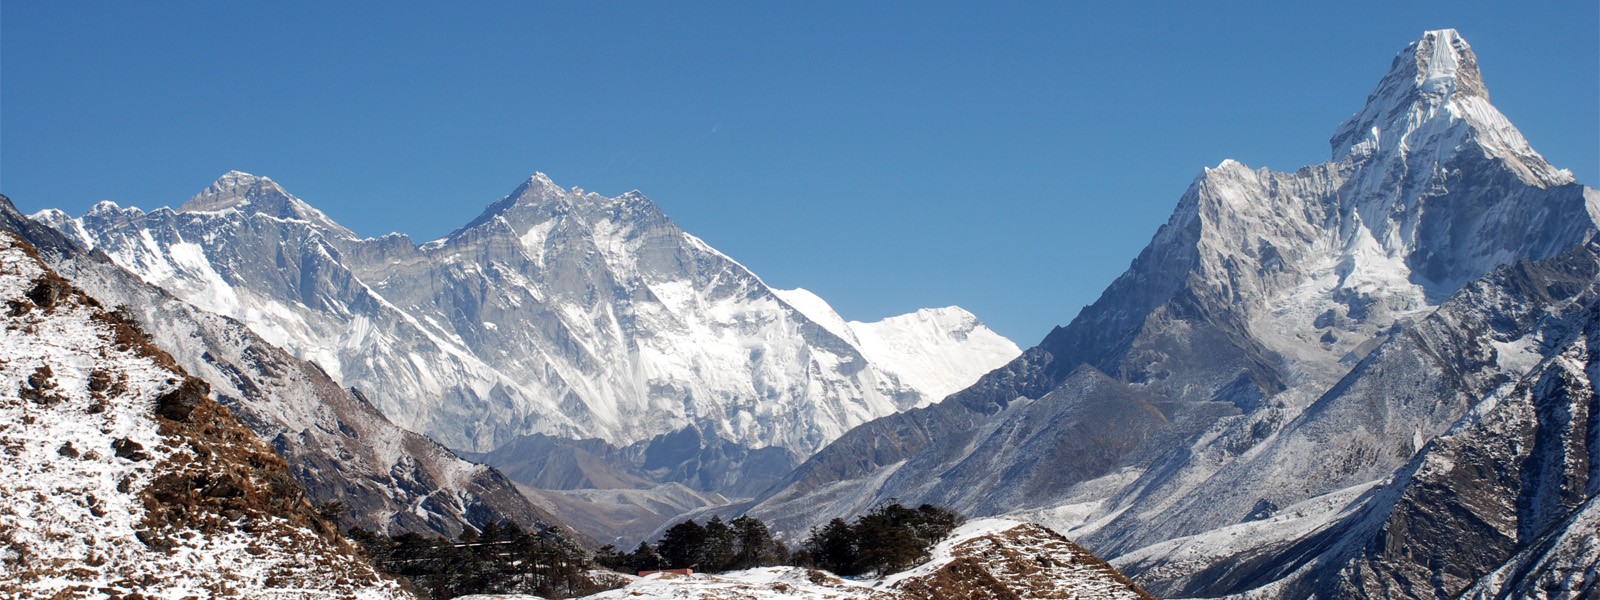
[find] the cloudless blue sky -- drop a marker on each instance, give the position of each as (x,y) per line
(1011,158)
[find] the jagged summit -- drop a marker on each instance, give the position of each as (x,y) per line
(233,189)
(540,200)
(1443,64)
(537,186)
(538,190)
(241,191)
(1433,105)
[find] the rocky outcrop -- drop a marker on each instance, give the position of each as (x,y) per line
(123,476)
(998,559)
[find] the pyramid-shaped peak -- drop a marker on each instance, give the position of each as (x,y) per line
(254,194)
(237,178)
(536,190)
(1431,105)
(1436,70)
(539,183)
(232,190)
(229,191)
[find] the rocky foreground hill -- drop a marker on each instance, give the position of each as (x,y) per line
(338,446)
(122,475)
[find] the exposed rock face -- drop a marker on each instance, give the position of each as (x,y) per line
(1561,565)
(556,312)
(1506,478)
(106,496)
(338,447)
(1014,560)
(1285,343)
(1512,477)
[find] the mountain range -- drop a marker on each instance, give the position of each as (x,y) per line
(1369,377)
(557,312)
(557,325)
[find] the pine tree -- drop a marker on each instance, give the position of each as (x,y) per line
(610,557)
(833,547)
(888,539)
(645,558)
(753,544)
(716,555)
(680,547)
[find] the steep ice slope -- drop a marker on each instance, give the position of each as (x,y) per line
(557,312)
(936,350)
(338,446)
(121,477)
(1256,298)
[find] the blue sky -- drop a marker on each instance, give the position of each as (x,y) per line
(1010,158)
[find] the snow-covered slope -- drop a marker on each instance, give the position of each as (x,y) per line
(119,476)
(1279,343)
(340,449)
(938,351)
(557,312)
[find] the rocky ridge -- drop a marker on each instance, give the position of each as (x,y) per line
(124,477)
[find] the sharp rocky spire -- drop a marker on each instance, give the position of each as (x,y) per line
(1433,104)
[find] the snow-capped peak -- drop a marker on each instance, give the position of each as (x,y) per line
(231,190)
(1433,104)
(935,350)
(537,190)
(1441,63)
(241,191)
(537,186)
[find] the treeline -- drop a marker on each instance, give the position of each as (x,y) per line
(887,539)
(506,559)
(743,543)
(501,559)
